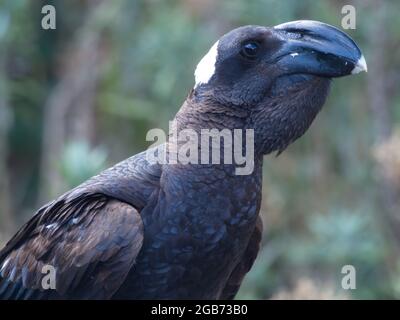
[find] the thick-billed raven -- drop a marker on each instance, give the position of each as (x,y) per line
(143,230)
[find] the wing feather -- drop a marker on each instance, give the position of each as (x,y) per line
(92,242)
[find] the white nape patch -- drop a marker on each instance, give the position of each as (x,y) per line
(294,54)
(206,67)
(360,66)
(75,220)
(5,264)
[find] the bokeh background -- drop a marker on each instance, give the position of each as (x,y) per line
(82,97)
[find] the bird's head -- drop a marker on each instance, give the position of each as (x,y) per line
(279,75)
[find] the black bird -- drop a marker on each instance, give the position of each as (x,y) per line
(142,230)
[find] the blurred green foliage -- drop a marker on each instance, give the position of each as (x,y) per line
(79,162)
(321,208)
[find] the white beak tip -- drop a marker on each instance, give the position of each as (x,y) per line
(360,66)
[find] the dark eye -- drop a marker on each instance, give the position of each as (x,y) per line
(250,50)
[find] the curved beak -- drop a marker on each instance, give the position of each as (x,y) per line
(317,48)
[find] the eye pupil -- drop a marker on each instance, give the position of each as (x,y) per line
(250,50)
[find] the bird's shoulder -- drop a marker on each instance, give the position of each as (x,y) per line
(132,180)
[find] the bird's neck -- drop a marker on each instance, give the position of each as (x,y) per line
(214,181)
(203,111)
(217,133)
